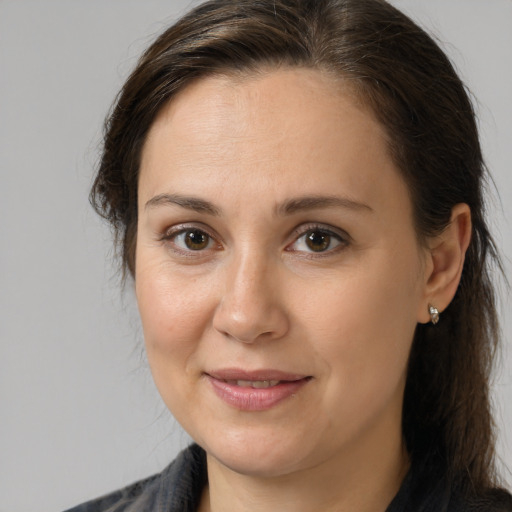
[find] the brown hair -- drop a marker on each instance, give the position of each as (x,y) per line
(408,82)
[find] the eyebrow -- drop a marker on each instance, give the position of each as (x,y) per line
(288,207)
(190,203)
(315,202)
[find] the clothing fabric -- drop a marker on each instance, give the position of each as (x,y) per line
(179,487)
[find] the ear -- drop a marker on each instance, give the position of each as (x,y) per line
(445,260)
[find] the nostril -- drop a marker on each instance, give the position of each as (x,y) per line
(249,329)
(249,309)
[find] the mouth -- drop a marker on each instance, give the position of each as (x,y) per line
(256,384)
(255,391)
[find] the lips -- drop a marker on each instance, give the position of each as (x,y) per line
(255,390)
(258,384)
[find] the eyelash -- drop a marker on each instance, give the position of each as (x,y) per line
(341,238)
(170,235)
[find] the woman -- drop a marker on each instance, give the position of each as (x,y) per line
(297,189)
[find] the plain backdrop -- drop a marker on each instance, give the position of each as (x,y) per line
(79,413)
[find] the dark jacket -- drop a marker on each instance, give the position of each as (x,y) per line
(178,489)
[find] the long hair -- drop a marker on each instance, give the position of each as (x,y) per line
(401,74)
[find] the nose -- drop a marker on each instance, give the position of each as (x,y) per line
(250,307)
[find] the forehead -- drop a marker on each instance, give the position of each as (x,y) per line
(240,104)
(291,129)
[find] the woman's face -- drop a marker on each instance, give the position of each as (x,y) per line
(278,273)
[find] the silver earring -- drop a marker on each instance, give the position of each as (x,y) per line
(434,314)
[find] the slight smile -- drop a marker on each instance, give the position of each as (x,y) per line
(255,390)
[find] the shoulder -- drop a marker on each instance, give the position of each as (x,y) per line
(177,487)
(494,500)
(142,492)
(427,488)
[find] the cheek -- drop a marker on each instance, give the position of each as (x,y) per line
(175,312)
(378,297)
(365,328)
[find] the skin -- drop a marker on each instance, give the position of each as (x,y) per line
(256,296)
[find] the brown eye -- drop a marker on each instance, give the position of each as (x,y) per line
(191,240)
(196,240)
(318,241)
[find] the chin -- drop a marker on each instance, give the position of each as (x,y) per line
(262,465)
(266,455)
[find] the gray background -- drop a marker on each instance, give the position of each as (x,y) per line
(79,413)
